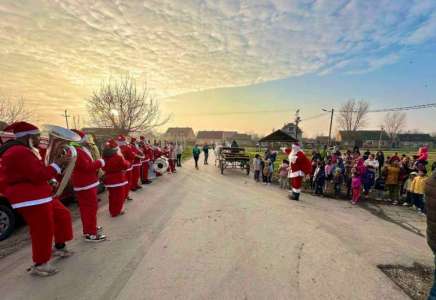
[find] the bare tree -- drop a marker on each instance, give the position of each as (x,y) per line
(13,110)
(352,115)
(394,122)
(121,105)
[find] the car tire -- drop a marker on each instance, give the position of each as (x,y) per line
(7,222)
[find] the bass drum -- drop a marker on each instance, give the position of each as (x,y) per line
(161,165)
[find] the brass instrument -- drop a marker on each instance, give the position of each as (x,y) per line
(161,165)
(59,150)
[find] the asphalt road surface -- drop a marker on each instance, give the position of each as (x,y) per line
(201,235)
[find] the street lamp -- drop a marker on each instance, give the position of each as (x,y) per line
(332,111)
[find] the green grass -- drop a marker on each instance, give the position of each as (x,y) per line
(187,153)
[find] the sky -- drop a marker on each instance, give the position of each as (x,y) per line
(233,65)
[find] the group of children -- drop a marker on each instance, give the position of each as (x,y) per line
(404,179)
(356,175)
(263,169)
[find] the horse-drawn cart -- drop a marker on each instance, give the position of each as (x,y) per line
(233,158)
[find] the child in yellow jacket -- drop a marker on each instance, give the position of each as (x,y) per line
(417,189)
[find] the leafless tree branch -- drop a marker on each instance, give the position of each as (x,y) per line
(120,104)
(14,110)
(353,115)
(394,123)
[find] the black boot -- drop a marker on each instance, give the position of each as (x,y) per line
(295,196)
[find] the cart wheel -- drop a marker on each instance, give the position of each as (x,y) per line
(222,168)
(248,169)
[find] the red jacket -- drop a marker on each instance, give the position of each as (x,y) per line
(137,153)
(85,175)
(300,165)
(115,171)
(26,177)
(128,154)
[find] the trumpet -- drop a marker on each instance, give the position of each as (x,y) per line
(60,152)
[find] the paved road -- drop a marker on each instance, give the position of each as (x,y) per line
(200,235)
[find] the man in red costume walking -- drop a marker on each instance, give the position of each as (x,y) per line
(28,190)
(85,182)
(300,166)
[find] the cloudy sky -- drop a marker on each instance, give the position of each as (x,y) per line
(244,65)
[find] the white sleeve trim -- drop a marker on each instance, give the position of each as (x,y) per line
(56,168)
(103,163)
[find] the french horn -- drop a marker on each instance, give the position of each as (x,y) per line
(58,149)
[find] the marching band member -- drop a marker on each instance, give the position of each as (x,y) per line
(148,157)
(157,153)
(85,182)
(128,154)
(172,157)
(136,172)
(115,179)
(300,167)
(29,192)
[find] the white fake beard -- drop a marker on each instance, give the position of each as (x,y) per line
(34,149)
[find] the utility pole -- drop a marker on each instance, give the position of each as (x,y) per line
(66,118)
(332,111)
(331,125)
(297,121)
(380,138)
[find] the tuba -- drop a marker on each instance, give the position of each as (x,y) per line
(161,165)
(58,147)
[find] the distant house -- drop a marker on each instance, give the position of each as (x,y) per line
(414,140)
(277,139)
(182,134)
(291,130)
(218,137)
(101,135)
(243,139)
(210,137)
(363,138)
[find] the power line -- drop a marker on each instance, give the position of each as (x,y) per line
(413,107)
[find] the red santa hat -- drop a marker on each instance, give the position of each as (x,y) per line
(121,140)
(20,129)
(112,144)
(82,135)
(296,147)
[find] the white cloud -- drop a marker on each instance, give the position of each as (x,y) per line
(64,48)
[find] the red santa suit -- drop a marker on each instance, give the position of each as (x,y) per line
(85,182)
(300,166)
(28,191)
(148,158)
(136,172)
(115,178)
(128,154)
(157,153)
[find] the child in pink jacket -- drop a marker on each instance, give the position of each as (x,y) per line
(356,185)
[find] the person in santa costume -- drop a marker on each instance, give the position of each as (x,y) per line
(300,166)
(148,157)
(137,162)
(128,154)
(115,179)
(85,182)
(29,192)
